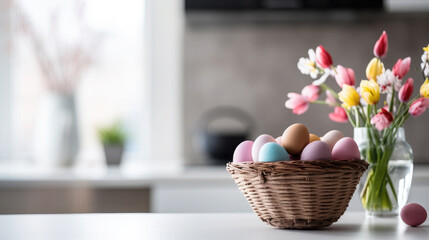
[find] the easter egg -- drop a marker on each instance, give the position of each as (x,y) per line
(332,137)
(259,142)
(346,148)
(272,152)
(314,137)
(295,138)
(413,214)
(316,150)
(279,140)
(243,152)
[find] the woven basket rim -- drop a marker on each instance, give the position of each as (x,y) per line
(298,164)
(305,162)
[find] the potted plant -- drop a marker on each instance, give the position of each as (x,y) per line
(113,138)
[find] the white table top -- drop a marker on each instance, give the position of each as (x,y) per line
(150,226)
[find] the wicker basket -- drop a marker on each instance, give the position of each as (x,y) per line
(298,194)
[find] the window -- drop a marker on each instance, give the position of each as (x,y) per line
(110,89)
(135,78)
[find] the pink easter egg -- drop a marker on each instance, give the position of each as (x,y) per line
(279,140)
(243,152)
(345,149)
(413,214)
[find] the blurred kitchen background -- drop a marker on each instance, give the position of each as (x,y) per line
(135,105)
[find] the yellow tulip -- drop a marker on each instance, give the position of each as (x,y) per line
(426,49)
(346,106)
(424,89)
(349,96)
(375,67)
(370,91)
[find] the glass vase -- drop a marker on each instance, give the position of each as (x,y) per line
(385,186)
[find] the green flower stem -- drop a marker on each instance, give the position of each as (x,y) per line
(392,100)
(326,87)
(361,113)
(375,195)
(412,100)
(368,115)
(350,118)
(325,103)
(392,187)
(335,70)
(357,116)
(399,110)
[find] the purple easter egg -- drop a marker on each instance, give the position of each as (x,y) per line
(316,150)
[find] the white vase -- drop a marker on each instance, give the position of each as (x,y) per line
(56,131)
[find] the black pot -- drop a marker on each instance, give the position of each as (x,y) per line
(218,145)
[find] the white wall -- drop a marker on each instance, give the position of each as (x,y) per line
(164,71)
(5,141)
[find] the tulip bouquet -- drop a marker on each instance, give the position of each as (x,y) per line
(362,107)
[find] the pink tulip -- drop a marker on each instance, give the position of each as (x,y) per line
(380,47)
(406,90)
(323,58)
(311,92)
(345,76)
(419,106)
(297,103)
(330,99)
(386,107)
(339,115)
(382,119)
(401,67)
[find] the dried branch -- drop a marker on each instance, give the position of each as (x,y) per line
(63,69)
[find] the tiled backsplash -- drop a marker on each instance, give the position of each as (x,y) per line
(252,65)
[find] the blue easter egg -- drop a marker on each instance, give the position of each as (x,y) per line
(272,152)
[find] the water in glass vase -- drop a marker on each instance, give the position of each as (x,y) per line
(401,172)
(385,196)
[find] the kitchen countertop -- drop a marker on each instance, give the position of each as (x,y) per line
(117,177)
(133,177)
(352,225)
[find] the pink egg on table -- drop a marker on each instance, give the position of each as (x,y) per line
(316,150)
(413,214)
(345,149)
(243,152)
(259,142)
(279,140)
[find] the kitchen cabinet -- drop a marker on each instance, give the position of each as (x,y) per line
(178,190)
